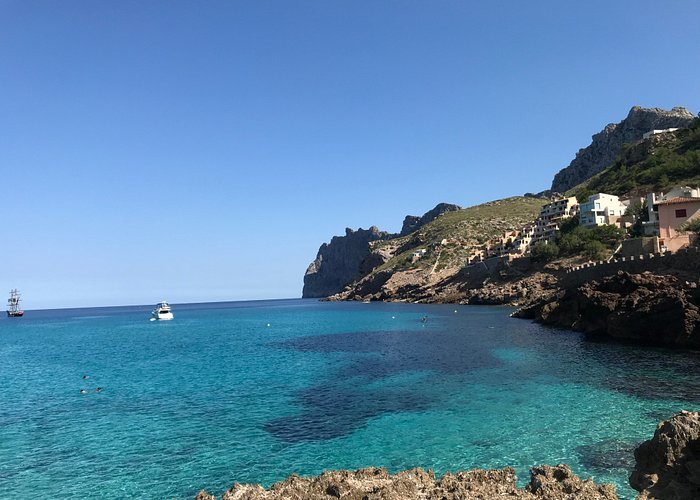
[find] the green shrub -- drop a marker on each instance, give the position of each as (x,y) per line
(544,252)
(590,242)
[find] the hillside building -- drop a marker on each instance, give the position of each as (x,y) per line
(551,215)
(601,209)
(651,227)
(672,213)
(656,132)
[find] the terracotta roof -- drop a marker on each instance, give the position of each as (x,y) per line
(679,199)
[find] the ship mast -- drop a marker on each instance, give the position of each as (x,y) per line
(13,301)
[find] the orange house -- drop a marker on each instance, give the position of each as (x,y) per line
(673,213)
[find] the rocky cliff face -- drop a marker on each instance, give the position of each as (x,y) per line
(668,465)
(338,262)
(546,483)
(413,223)
(607,144)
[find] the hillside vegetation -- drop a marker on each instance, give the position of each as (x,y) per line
(463,229)
(654,164)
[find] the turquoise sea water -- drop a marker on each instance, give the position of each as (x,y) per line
(254,391)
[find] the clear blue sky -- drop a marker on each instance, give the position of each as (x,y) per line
(197,151)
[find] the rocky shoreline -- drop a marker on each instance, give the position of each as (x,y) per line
(645,308)
(667,467)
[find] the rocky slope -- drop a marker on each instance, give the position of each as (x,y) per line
(643,308)
(551,483)
(608,143)
(654,164)
(444,245)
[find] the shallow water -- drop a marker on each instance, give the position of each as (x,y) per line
(218,396)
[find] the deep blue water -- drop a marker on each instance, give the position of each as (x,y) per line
(254,391)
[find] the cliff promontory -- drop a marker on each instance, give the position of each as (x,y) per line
(338,262)
(608,143)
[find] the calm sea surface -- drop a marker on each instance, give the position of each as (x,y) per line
(253,391)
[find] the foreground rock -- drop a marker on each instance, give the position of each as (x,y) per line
(668,465)
(644,308)
(552,483)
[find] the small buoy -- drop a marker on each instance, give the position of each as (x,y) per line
(393,317)
(455,310)
(268,324)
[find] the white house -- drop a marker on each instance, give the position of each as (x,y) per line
(601,209)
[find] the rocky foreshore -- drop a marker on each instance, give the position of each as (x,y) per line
(667,467)
(643,308)
(554,483)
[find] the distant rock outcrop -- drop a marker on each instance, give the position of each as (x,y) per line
(668,465)
(546,483)
(608,143)
(413,223)
(338,263)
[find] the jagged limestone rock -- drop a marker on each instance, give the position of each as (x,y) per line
(413,223)
(607,144)
(338,262)
(546,483)
(668,465)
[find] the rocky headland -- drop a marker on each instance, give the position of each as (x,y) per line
(667,468)
(643,308)
(338,262)
(347,259)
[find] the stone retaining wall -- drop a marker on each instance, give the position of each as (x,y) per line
(686,259)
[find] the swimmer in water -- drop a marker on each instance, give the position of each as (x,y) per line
(83,391)
(99,389)
(85,377)
(424,319)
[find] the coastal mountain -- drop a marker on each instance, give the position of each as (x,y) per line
(653,164)
(425,261)
(608,143)
(348,258)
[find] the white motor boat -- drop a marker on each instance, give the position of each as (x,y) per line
(162,311)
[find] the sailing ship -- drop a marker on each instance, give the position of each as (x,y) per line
(13,310)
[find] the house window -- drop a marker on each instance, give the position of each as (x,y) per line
(681,212)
